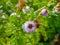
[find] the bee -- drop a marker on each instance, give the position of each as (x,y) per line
(21,3)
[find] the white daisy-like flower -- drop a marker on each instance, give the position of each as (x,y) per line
(13,14)
(27,9)
(29,27)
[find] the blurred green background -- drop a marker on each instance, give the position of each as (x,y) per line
(11,31)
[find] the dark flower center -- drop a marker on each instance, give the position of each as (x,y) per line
(30,26)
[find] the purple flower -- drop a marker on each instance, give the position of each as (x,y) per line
(44,12)
(27,9)
(29,27)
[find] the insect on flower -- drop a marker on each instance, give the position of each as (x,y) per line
(29,26)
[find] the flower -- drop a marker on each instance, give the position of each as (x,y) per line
(29,27)
(44,12)
(55,10)
(27,9)
(13,14)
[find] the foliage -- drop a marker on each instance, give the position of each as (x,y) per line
(11,31)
